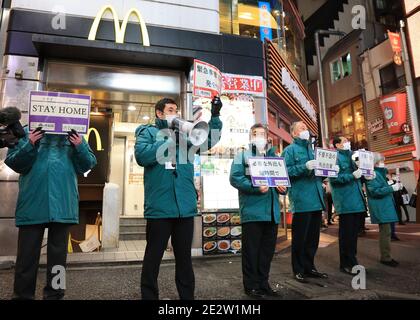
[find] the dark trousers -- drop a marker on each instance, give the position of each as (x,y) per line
(27,261)
(158,232)
(399,212)
(362,222)
(329,206)
(393,234)
(347,234)
(305,240)
(258,246)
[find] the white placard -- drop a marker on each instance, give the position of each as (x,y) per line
(326,162)
(271,172)
(366,162)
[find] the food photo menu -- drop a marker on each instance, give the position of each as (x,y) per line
(221,232)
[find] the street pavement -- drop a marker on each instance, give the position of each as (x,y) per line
(221,278)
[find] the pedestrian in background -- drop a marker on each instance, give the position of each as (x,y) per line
(329,202)
(399,197)
(48,198)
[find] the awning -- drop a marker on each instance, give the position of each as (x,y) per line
(55,47)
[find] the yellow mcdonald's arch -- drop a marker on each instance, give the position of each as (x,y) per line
(120,31)
(97,136)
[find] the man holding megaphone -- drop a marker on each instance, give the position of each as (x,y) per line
(170,195)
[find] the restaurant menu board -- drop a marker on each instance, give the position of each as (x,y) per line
(221,233)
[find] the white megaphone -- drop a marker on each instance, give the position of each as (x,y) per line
(197,132)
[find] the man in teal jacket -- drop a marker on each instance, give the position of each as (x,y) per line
(170,196)
(382,207)
(349,203)
(306,197)
(48,198)
(260,215)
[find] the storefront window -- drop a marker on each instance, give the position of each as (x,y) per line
(392,78)
(275,20)
(348,120)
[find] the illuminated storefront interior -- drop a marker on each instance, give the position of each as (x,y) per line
(348,120)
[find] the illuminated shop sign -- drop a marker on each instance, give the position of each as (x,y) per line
(120,30)
(293,87)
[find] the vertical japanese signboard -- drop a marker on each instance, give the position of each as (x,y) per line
(207,80)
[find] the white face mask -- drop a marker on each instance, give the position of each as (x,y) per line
(347,145)
(260,143)
(304,135)
(170,119)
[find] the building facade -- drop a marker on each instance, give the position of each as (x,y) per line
(78,47)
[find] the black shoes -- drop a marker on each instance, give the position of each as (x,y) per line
(316,274)
(391,263)
(271,292)
(347,270)
(395,238)
(255,294)
(300,277)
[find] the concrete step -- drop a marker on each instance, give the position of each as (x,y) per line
(127,235)
(131,220)
(133,228)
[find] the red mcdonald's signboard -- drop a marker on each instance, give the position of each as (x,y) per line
(394,108)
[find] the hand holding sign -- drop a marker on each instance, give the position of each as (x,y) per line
(36,135)
(74,138)
(264,189)
(357,174)
(216,105)
(311,164)
(281,189)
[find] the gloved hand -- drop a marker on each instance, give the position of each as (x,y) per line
(35,136)
(216,105)
(396,186)
(373,176)
(357,174)
(311,164)
(74,137)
